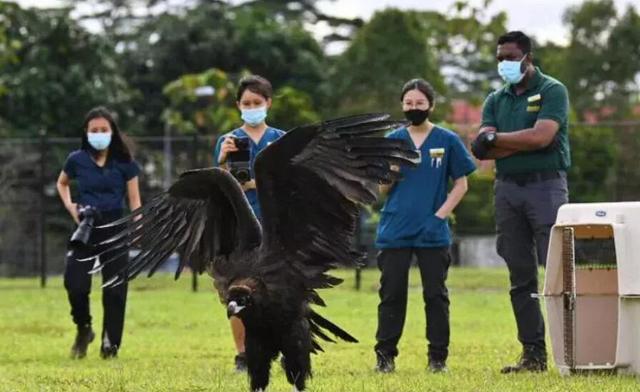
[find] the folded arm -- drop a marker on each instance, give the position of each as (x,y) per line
(536,138)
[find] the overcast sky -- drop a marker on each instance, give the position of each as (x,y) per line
(540,18)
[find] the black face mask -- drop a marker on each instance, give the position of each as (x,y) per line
(416,116)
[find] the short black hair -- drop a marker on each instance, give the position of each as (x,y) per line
(120,147)
(519,38)
(256,84)
(423,86)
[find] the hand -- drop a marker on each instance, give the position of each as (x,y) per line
(228,145)
(483,144)
(249,185)
(385,188)
(73,211)
(438,214)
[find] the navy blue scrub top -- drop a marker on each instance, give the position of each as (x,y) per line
(100,187)
(408,217)
(270,135)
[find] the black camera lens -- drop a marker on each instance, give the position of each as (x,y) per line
(87,212)
(239,162)
(242,175)
(80,237)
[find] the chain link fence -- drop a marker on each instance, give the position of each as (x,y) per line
(34,226)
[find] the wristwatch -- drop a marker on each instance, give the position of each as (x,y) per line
(490,139)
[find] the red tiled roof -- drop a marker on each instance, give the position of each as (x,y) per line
(462,112)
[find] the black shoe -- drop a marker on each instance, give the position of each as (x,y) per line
(109,352)
(437,366)
(384,363)
(84,336)
(241,362)
(531,360)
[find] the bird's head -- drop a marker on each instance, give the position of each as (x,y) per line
(239,300)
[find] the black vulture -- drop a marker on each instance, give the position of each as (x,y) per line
(310,185)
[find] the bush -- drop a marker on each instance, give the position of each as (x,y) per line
(475,214)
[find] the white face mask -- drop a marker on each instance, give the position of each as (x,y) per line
(254,116)
(99,140)
(511,71)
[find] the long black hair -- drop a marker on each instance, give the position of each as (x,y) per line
(120,146)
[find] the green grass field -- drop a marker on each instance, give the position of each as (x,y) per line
(176,340)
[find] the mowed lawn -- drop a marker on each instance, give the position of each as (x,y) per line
(176,340)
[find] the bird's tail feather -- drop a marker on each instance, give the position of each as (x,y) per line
(318,321)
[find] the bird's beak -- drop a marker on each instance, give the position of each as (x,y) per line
(233,308)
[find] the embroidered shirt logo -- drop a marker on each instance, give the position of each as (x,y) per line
(533,103)
(436,155)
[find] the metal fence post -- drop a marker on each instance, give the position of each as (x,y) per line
(168,155)
(43,209)
(358,243)
(194,165)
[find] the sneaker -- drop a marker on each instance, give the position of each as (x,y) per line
(384,363)
(241,362)
(109,352)
(84,336)
(437,366)
(531,360)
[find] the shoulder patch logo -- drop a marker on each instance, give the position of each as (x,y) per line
(534,98)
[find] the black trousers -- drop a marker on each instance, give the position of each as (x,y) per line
(524,217)
(77,282)
(394,265)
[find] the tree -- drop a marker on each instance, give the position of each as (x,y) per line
(58,72)
(397,45)
(602,60)
(465,40)
(188,113)
(594,155)
(389,50)
(292,107)
(218,36)
(121,18)
(8,45)
(307,12)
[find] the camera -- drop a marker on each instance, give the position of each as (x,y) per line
(239,162)
(80,237)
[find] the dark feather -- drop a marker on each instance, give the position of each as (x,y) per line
(331,327)
(180,219)
(311,184)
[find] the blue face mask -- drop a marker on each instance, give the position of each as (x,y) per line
(510,71)
(99,140)
(255,116)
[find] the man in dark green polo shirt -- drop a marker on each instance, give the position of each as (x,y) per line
(524,128)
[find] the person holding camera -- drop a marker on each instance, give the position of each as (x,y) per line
(413,223)
(525,129)
(105,171)
(236,151)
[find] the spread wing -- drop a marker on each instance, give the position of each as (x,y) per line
(310,183)
(203,215)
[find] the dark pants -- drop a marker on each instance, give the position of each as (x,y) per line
(77,281)
(394,281)
(524,217)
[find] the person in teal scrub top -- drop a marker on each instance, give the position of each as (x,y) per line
(414,222)
(253,99)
